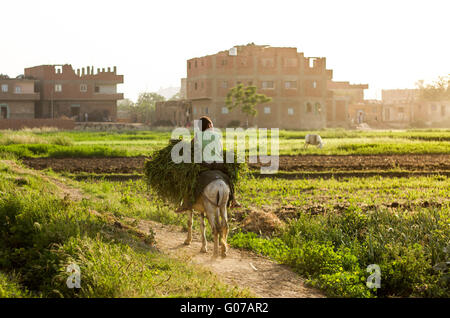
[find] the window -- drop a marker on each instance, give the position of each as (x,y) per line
(267,62)
(17,89)
(401,110)
(267,85)
(224,84)
(97,89)
(195,85)
(4,88)
(308,107)
(290,111)
(290,84)
(58,88)
(189,65)
(314,84)
(243,61)
(266,110)
(224,62)
(194,111)
(83,88)
(225,110)
(195,63)
(290,62)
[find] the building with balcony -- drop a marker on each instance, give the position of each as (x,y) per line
(84,95)
(296,84)
(17,98)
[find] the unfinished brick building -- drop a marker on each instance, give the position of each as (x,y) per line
(173,113)
(82,94)
(346,100)
(17,98)
(296,84)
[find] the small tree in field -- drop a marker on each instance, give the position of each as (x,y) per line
(246,99)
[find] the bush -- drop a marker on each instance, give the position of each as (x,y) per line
(334,250)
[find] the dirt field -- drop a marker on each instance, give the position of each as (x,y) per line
(287,163)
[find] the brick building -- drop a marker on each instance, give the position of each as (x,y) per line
(65,92)
(404,107)
(173,113)
(346,103)
(17,98)
(296,84)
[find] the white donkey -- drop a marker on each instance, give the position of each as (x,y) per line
(212,203)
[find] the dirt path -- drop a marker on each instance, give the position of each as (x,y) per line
(65,191)
(240,268)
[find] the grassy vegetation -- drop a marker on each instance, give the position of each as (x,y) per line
(333,251)
(339,227)
(136,143)
(10,288)
(333,229)
(342,226)
(41,234)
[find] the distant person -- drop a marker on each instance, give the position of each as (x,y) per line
(86,117)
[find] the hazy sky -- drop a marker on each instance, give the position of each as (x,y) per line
(386,44)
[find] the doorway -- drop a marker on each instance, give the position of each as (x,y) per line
(3,112)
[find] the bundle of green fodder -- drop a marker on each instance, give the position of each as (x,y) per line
(173,182)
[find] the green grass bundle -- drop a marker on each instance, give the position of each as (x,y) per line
(173,182)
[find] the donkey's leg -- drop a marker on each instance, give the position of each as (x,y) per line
(212,215)
(203,232)
(190,215)
(224,230)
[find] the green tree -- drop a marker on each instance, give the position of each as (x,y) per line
(245,98)
(438,90)
(125,104)
(142,111)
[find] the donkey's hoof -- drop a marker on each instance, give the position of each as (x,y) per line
(203,250)
(223,253)
(187,242)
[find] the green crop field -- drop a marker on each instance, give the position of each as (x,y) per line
(116,144)
(328,230)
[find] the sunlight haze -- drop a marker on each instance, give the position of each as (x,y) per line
(386,44)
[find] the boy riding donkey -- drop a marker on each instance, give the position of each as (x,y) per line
(216,170)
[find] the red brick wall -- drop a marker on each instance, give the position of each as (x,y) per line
(16,124)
